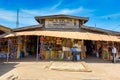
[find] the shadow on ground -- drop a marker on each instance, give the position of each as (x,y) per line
(98,60)
(6,67)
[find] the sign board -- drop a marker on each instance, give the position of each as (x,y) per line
(61,23)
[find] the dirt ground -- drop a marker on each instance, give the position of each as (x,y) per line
(32,70)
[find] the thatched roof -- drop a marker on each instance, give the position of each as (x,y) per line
(85,19)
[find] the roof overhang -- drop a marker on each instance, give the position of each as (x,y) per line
(5,29)
(27,28)
(100,30)
(67,34)
(85,19)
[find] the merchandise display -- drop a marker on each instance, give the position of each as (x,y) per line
(58,48)
(8,47)
(55,48)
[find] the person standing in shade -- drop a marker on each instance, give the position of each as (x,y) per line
(74,53)
(114,51)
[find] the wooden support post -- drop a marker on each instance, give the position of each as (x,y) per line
(24,46)
(83,54)
(37,48)
(108,54)
(19,41)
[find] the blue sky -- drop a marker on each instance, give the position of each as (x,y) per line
(102,13)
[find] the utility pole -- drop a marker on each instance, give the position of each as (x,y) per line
(17,22)
(95,25)
(18,41)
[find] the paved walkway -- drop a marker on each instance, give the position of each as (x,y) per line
(101,70)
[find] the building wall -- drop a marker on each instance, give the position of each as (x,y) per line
(61,23)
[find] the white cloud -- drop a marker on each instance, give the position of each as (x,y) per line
(113,16)
(56,5)
(7,15)
(29,12)
(71,11)
(26,17)
(79,10)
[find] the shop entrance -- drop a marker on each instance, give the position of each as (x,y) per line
(90,47)
(31,45)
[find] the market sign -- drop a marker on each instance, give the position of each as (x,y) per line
(61,23)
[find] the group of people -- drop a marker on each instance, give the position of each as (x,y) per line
(106,52)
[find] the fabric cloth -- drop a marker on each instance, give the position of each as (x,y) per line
(65,49)
(41,45)
(33,49)
(73,50)
(105,54)
(41,39)
(78,47)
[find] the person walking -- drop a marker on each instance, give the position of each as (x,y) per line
(114,51)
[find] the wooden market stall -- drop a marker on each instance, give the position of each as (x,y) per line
(57,36)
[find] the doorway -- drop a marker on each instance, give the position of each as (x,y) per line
(90,48)
(32,45)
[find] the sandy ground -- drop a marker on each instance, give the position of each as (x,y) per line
(101,70)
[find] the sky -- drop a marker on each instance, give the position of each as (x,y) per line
(102,13)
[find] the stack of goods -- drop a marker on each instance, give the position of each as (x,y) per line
(3,55)
(42,47)
(59,55)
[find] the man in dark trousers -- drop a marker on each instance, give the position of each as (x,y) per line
(114,51)
(74,52)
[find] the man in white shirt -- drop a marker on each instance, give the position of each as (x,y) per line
(114,51)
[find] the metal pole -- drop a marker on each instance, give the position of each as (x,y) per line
(8,52)
(82,50)
(37,48)
(25,46)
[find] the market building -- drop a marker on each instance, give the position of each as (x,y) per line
(59,37)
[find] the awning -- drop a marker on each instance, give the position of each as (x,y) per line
(67,34)
(94,36)
(114,38)
(63,34)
